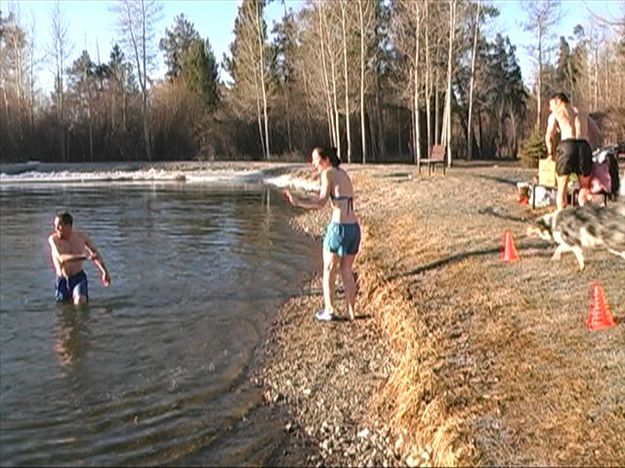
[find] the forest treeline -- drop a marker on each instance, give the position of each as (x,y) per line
(379,80)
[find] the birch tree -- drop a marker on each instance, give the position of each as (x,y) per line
(344,33)
(366,32)
(476,29)
(60,50)
(249,67)
(136,22)
(284,50)
(407,22)
(446,132)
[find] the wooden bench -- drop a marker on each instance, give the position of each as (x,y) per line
(437,156)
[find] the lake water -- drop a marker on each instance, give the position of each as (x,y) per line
(155,369)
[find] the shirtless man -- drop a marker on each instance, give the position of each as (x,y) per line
(574,153)
(69,249)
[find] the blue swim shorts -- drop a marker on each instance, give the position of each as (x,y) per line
(342,239)
(66,288)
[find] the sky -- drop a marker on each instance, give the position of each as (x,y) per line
(92,26)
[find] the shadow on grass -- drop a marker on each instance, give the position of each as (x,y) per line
(343,319)
(472,253)
(501,180)
(492,211)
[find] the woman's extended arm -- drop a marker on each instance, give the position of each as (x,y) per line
(312,203)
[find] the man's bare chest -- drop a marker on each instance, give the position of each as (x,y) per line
(75,245)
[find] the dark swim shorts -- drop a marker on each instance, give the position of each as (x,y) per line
(67,287)
(342,239)
(574,157)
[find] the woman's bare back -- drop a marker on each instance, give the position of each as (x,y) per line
(341,196)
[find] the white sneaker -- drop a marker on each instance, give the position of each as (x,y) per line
(325,316)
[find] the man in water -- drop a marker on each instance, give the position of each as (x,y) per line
(69,249)
(573,152)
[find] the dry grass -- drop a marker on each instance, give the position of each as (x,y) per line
(492,361)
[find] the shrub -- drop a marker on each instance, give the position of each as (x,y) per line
(534,148)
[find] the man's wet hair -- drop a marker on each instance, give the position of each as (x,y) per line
(65,217)
(562,97)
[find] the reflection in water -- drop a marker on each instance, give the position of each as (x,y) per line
(71,328)
(154,369)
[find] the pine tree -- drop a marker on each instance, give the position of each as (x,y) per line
(534,148)
(199,72)
(176,42)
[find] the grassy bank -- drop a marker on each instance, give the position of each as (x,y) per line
(460,358)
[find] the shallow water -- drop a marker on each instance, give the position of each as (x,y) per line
(154,370)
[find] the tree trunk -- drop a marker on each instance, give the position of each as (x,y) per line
(146,128)
(596,80)
(329,106)
(337,125)
(437,125)
(481,147)
(90,133)
(379,118)
(472,82)
(346,74)
(261,65)
(363,137)
(428,82)
(398,133)
(417,84)
(146,117)
(372,123)
(514,144)
(259,118)
(540,77)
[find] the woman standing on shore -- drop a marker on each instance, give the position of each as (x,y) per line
(342,238)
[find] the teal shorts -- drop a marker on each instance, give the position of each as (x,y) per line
(342,239)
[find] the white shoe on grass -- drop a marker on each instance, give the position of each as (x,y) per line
(325,316)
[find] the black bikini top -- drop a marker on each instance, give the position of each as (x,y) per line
(349,198)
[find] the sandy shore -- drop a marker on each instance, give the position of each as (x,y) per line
(457,358)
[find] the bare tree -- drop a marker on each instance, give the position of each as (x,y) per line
(249,67)
(446,131)
(333,49)
(344,5)
(332,122)
(60,50)
(32,70)
(259,29)
(361,23)
(476,29)
(136,21)
(542,16)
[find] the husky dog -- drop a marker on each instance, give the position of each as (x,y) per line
(588,226)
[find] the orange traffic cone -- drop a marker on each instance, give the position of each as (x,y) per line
(599,315)
(509,252)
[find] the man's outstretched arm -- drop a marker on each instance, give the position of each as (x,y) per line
(98,260)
